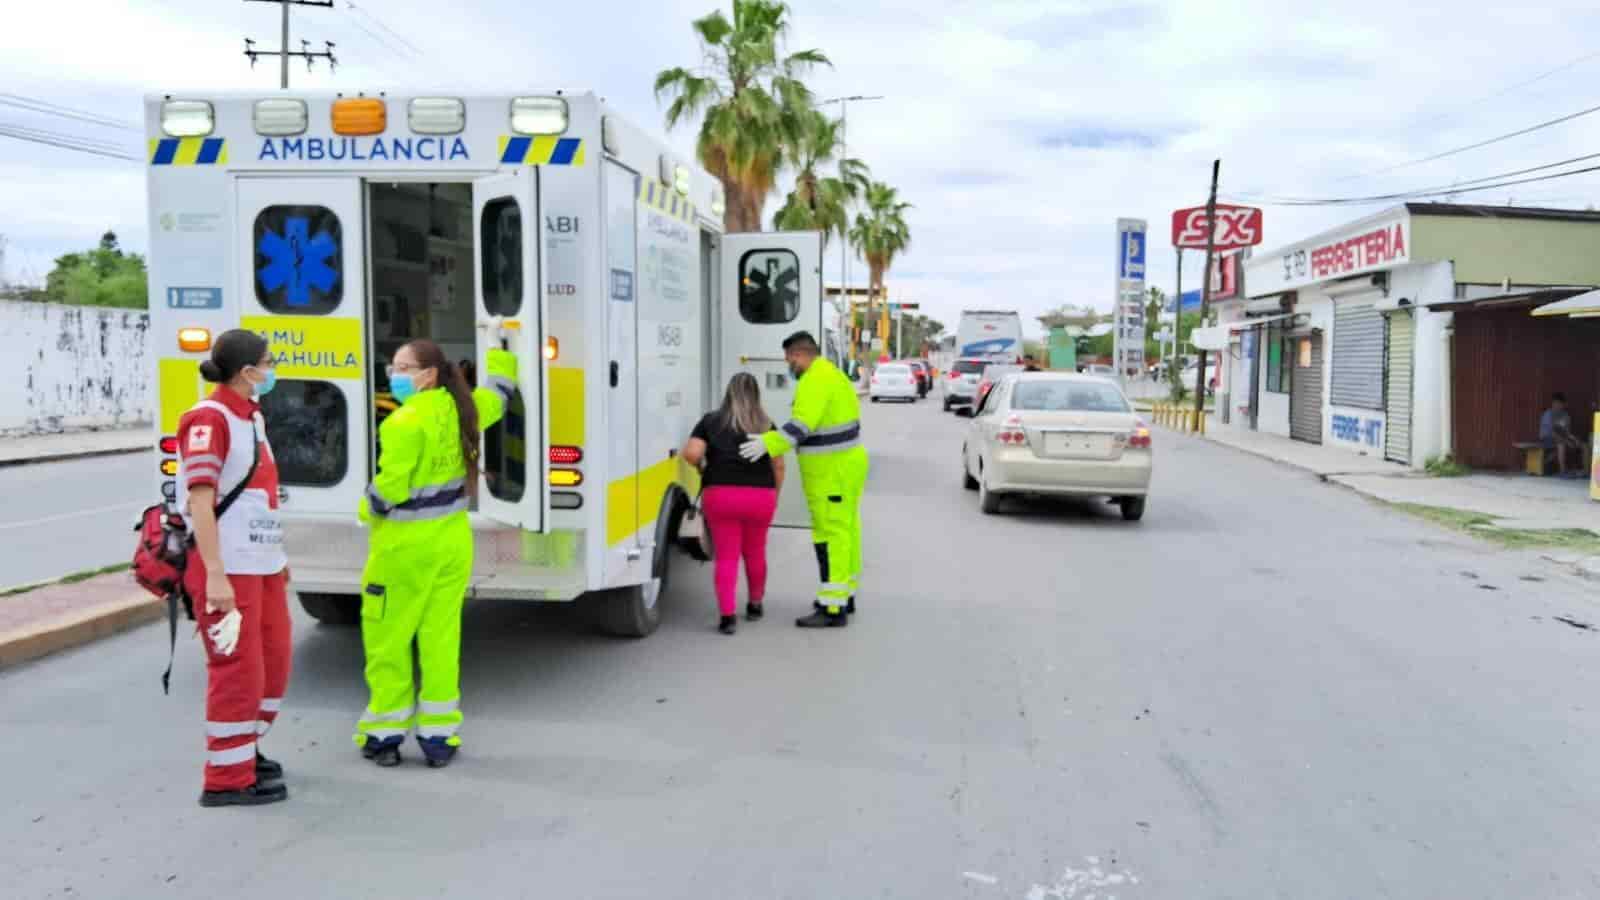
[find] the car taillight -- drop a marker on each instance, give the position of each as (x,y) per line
(1011,432)
(1140,437)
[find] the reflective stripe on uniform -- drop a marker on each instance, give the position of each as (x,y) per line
(262,727)
(437,731)
(204,459)
(429,502)
(230,729)
(796,431)
(232,756)
(401,715)
(385,725)
(843,444)
(440,708)
(271,704)
(505,386)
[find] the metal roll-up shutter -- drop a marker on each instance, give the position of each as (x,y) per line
(1305,391)
(1397,389)
(1357,355)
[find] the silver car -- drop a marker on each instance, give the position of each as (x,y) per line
(1061,434)
(893,381)
(961,387)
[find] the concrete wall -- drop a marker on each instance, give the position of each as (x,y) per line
(65,368)
(1427,284)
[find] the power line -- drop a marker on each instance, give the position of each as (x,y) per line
(1430,192)
(92,143)
(380,23)
(7,131)
(1509,89)
(1494,140)
(65,112)
(283,52)
(1441,189)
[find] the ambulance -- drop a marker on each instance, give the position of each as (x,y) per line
(340,226)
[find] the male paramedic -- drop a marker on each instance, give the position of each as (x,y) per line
(824,430)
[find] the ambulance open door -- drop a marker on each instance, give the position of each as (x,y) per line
(771,288)
(510,314)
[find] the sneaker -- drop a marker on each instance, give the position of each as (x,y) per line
(824,619)
(255,795)
(728,625)
(754,611)
(385,754)
(267,770)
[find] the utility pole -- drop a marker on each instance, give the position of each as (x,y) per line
(283,52)
(1177,315)
(1205,289)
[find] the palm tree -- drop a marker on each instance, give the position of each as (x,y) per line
(819,203)
(880,234)
(750,95)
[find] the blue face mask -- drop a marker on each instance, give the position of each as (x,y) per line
(401,386)
(265,387)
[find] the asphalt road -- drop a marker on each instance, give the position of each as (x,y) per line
(63,517)
(1269,688)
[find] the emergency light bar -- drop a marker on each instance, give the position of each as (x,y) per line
(187,118)
(358,116)
(281,117)
(538,115)
(436,115)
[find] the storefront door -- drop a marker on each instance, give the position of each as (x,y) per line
(1305,396)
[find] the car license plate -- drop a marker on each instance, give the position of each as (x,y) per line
(1076,443)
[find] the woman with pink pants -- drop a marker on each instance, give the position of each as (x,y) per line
(738,497)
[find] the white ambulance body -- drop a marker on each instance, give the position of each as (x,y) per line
(341,227)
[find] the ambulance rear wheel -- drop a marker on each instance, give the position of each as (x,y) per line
(332,609)
(631,612)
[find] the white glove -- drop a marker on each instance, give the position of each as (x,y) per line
(225,634)
(753,449)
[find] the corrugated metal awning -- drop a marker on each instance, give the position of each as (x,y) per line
(1581,306)
(1242,324)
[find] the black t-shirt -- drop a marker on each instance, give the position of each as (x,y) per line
(723,463)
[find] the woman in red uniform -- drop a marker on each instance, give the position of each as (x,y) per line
(238,575)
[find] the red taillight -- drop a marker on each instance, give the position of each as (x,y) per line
(565,456)
(169,445)
(1140,436)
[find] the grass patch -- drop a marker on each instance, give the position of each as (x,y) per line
(74,578)
(1482,525)
(1445,467)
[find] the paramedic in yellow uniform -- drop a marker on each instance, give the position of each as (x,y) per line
(420,560)
(824,430)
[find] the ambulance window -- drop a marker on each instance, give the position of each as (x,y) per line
(307,427)
(769,287)
(502,257)
(299,260)
(505,452)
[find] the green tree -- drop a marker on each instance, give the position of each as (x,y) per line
(752,98)
(819,203)
(880,234)
(103,276)
(913,335)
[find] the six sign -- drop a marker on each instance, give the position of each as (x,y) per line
(1237,226)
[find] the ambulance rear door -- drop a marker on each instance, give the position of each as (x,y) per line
(301,284)
(511,312)
(771,288)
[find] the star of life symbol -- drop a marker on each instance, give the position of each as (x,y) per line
(297,263)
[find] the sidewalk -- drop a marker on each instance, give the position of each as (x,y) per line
(1514,502)
(44,620)
(72,445)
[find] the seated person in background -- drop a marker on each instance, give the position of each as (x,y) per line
(1555,433)
(1029,364)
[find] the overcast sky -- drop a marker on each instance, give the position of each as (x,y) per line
(1020,129)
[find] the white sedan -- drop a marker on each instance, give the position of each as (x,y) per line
(893,381)
(1059,434)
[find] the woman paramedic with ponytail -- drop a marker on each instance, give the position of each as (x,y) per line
(420,555)
(237,578)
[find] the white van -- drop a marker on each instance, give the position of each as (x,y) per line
(990,334)
(342,226)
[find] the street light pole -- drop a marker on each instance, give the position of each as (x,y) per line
(844,239)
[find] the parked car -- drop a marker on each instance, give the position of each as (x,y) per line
(961,388)
(991,377)
(893,381)
(924,373)
(1100,370)
(1062,434)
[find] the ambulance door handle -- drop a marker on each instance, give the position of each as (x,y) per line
(616,373)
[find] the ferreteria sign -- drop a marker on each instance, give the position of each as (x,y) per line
(1366,246)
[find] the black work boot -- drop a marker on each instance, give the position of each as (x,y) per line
(438,751)
(255,795)
(267,769)
(384,753)
(824,619)
(728,625)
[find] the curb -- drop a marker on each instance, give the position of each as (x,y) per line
(75,454)
(45,638)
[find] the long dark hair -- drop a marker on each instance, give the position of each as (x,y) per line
(234,350)
(429,356)
(741,406)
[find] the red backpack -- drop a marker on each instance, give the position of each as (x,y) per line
(162,555)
